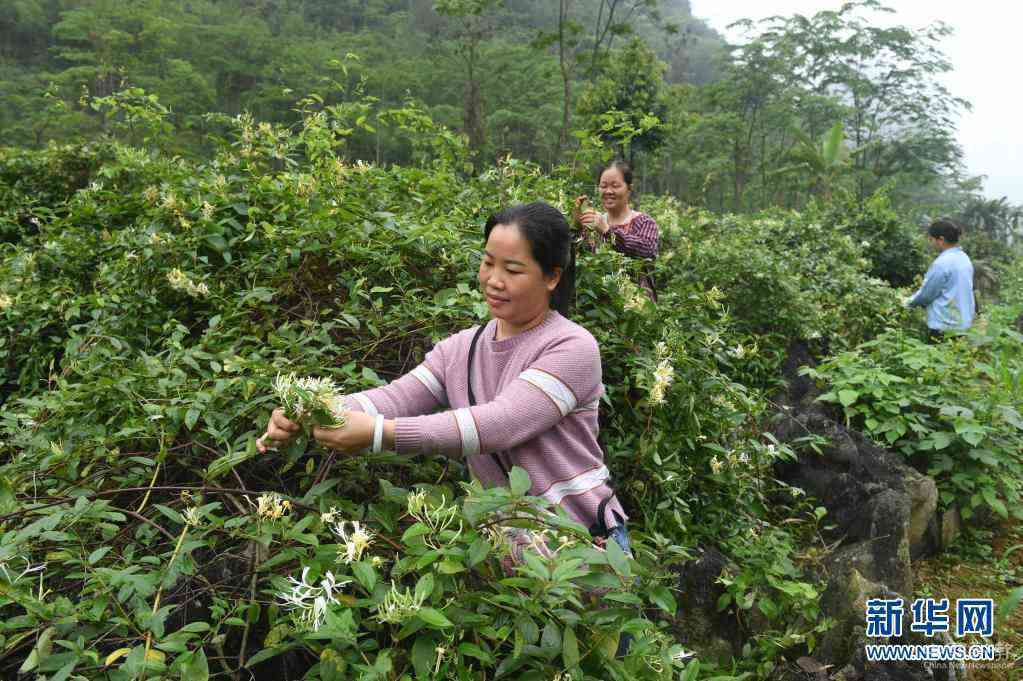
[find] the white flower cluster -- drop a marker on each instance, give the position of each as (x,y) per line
(5,301)
(310,601)
(192,516)
(180,281)
(315,397)
(438,518)
(270,506)
(399,605)
(354,543)
(664,374)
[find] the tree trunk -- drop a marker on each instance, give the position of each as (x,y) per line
(473,120)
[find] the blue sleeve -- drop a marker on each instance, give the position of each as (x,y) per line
(935,282)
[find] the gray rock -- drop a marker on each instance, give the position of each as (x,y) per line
(951,527)
(713,635)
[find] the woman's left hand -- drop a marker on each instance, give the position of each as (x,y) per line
(355,436)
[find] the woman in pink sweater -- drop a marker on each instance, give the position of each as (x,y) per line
(522,390)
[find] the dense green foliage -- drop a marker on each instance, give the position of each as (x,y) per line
(149,302)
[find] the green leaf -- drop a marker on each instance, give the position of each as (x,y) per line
(8,503)
(1009,605)
(98,554)
(991,497)
(662,598)
(473,650)
(191,416)
(416,530)
(424,587)
(450,567)
(570,649)
(848,397)
(617,558)
(434,618)
(217,241)
(478,550)
(551,637)
(527,627)
(518,479)
(41,651)
(268,653)
(365,574)
(424,652)
(196,668)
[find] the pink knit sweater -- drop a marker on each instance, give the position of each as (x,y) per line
(537,395)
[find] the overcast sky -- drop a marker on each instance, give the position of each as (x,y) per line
(984,51)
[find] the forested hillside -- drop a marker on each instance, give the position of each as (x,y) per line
(803,107)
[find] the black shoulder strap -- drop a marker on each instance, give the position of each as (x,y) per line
(472,352)
(472,396)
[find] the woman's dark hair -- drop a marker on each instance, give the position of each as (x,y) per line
(550,241)
(623,167)
(945,229)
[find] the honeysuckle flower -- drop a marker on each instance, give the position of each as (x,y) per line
(399,605)
(316,397)
(270,506)
(438,518)
(664,374)
(311,601)
(353,544)
(12,577)
(180,281)
(5,301)
(192,516)
(716,465)
(738,351)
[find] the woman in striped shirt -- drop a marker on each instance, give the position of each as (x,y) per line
(522,390)
(628,231)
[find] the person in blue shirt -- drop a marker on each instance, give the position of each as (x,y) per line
(947,291)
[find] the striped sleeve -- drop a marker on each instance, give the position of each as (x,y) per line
(563,380)
(640,240)
(420,391)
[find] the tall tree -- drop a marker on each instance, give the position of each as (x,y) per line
(474,22)
(899,112)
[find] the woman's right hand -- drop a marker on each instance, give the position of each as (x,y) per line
(582,204)
(278,431)
(591,219)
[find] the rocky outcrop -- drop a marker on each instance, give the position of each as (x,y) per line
(882,513)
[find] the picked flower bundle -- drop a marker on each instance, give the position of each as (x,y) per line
(315,399)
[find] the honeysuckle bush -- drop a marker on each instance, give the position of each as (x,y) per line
(952,409)
(148,303)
